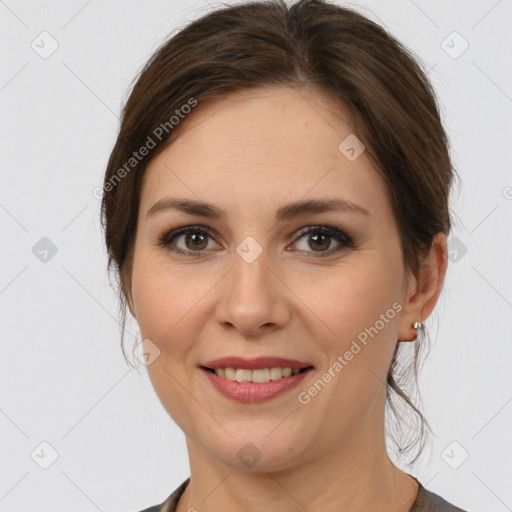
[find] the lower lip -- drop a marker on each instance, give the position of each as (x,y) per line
(254,392)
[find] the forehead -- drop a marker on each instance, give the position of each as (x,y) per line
(265,119)
(275,140)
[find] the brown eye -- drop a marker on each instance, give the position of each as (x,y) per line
(319,239)
(319,242)
(194,240)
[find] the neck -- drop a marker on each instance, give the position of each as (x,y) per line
(357,476)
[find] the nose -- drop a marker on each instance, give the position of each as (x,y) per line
(253,298)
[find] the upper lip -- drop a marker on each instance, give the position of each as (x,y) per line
(256,363)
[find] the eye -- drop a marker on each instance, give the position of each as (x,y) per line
(195,240)
(193,237)
(319,238)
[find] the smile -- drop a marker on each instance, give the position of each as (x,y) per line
(259,375)
(254,386)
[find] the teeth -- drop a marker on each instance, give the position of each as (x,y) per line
(275,373)
(243,375)
(260,375)
(229,373)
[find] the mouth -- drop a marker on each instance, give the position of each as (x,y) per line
(257,384)
(259,375)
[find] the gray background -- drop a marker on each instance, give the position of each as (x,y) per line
(63,379)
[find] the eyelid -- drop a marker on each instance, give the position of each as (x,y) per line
(324,228)
(345,241)
(169,236)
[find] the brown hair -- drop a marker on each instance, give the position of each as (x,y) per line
(311,43)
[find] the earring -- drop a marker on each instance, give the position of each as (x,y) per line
(417,326)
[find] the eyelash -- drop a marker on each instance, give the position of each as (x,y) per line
(346,242)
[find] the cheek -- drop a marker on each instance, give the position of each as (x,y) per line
(164,299)
(349,300)
(169,313)
(359,310)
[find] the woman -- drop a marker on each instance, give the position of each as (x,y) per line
(276,210)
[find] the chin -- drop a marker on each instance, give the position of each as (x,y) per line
(255,450)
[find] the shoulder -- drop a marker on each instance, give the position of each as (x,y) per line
(170,504)
(427,501)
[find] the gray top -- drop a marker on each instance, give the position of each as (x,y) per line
(425,501)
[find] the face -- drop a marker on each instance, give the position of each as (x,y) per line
(323,287)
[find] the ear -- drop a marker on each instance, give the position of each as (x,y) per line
(422,292)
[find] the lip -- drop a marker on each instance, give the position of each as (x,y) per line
(257,363)
(254,392)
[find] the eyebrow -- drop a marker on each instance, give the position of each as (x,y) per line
(286,212)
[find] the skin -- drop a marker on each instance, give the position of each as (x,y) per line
(250,153)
